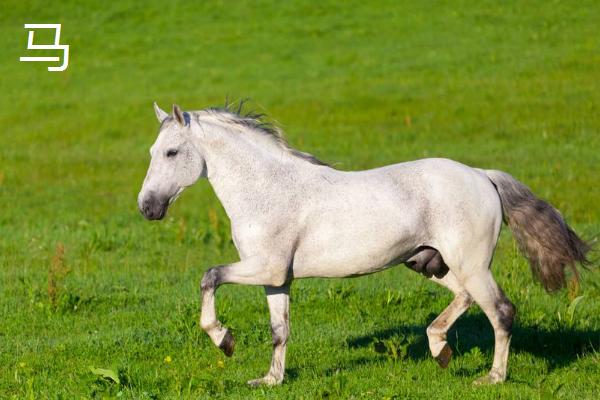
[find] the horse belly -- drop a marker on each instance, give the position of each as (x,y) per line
(350,247)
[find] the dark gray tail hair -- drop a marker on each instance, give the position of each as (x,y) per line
(541,232)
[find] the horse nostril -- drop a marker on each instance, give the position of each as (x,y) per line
(152,207)
(146,206)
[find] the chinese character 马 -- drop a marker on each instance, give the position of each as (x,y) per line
(55,46)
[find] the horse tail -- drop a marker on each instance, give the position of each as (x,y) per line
(543,236)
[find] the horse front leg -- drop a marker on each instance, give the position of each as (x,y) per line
(278,299)
(219,335)
(246,272)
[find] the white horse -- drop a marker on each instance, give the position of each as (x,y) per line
(293,216)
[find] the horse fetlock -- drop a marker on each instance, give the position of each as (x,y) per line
(437,340)
(218,334)
(435,332)
(209,325)
(437,345)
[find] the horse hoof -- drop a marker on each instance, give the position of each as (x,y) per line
(489,379)
(266,381)
(255,382)
(227,344)
(444,357)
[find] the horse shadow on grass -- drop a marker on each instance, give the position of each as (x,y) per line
(559,347)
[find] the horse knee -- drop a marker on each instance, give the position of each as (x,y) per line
(506,314)
(210,279)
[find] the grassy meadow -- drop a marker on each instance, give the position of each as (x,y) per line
(96,302)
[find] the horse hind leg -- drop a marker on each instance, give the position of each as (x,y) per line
(437,331)
(501,313)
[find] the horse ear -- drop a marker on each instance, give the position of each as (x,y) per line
(178,115)
(160,114)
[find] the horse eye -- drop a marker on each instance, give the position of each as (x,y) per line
(171,153)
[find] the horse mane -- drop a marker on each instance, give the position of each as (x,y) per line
(258,122)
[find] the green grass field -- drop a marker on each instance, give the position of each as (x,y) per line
(506,85)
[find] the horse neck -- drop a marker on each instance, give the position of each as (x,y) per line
(247,177)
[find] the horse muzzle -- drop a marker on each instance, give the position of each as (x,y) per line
(153,207)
